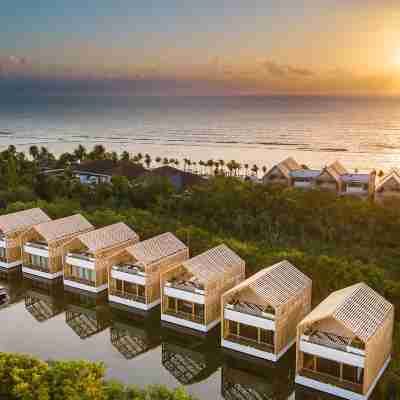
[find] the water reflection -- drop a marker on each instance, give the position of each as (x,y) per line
(245,378)
(86,314)
(136,349)
(190,358)
(43,299)
(133,334)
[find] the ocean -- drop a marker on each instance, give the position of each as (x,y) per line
(363,133)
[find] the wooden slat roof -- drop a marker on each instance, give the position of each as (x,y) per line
(153,249)
(393,174)
(107,237)
(214,264)
(63,227)
(22,220)
(358,307)
(278,284)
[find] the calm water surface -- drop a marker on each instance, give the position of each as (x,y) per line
(44,320)
(363,133)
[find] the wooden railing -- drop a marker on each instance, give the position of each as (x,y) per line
(263,346)
(127,296)
(38,268)
(247,310)
(332,380)
(80,280)
(184,315)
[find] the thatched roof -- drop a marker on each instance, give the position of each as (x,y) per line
(63,227)
(214,264)
(278,284)
(338,168)
(156,248)
(183,178)
(286,166)
(358,308)
(22,220)
(107,237)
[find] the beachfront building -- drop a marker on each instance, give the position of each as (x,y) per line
(89,256)
(260,315)
(280,173)
(192,290)
(44,245)
(304,178)
(134,278)
(388,187)
(344,344)
(359,184)
(12,226)
(330,177)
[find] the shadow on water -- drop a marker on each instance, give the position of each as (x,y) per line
(137,347)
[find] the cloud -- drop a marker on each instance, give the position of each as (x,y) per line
(285,71)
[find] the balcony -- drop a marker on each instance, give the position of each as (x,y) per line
(80,280)
(80,259)
(335,342)
(255,310)
(248,342)
(196,318)
(132,269)
(38,245)
(331,380)
(188,285)
(127,296)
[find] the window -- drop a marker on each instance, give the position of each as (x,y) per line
(3,254)
(328,367)
(40,262)
(353,374)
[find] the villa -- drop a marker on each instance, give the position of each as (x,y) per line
(88,256)
(43,245)
(192,290)
(330,177)
(344,344)
(134,278)
(260,315)
(12,226)
(280,173)
(304,178)
(388,186)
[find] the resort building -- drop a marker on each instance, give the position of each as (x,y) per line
(43,245)
(388,187)
(88,256)
(280,173)
(12,226)
(102,171)
(260,315)
(330,177)
(344,344)
(192,290)
(362,185)
(134,279)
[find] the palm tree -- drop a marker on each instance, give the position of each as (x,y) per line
(98,152)
(139,156)
(231,166)
(210,164)
(246,168)
(176,162)
(158,160)
(264,169)
(185,162)
(195,167)
(125,156)
(80,153)
(114,157)
(201,163)
(222,163)
(34,152)
(147,160)
(165,161)
(255,169)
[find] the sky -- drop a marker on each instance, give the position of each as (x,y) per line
(221,47)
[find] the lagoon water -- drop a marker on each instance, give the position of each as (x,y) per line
(364,133)
(44,320)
